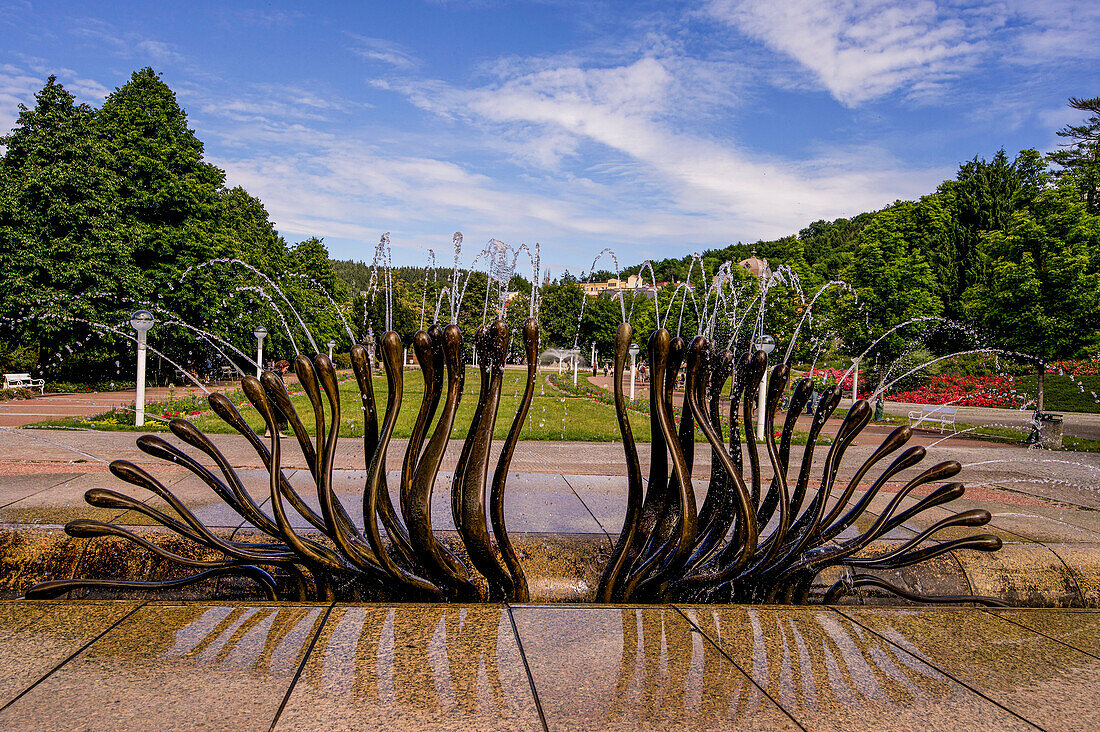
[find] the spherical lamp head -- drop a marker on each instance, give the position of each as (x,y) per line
(765,343)
(142,321)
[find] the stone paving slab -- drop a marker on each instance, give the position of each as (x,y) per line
(37,638)
(425,667)
(175,667)
(416,667)
(603,667)
(831,674)
(1039,678)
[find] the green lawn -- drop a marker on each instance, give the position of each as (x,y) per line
(552,416)
(1062,393)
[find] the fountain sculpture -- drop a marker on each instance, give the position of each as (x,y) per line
(746,542)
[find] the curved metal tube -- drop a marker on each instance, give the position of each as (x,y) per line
(520,591)
(391,361)
(439,562)
(612,574)
(492,350)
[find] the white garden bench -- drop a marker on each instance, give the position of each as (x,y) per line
(939,414)
(24,381)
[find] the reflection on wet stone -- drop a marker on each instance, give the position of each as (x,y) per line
(1041,679)
(629,668)
(830,673)
(377,667)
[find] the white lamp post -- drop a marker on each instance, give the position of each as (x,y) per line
(575,354)
(766,344)
(141,321)
(594,357)
(634,351)
(331,345)
(260,332)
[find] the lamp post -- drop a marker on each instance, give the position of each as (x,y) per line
(575,353)
(141,321)
(331,345)
(593,358)
(766,344)
(634,351)
(260,332)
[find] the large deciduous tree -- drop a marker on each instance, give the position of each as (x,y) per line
(59,228)
(103,211)
(891,277)
(1040,293)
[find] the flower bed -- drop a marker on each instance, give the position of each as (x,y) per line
(965,391)
(587,390)
(1081,367)
(830,377)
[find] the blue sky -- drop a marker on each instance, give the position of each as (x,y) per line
(654,128)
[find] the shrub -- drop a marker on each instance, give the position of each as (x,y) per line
(17,359)
(17,393)
(71,387)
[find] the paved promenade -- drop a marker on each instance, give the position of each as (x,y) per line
(1045,506)
(134,665)
(231,665)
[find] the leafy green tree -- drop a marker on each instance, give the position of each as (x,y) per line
(892,279)
(1041,291)
(559,309)
(59,232)
(641,314)
(515,314)
(982,198)
(105,211)
(599,324)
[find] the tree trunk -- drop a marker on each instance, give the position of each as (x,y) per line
(1039,398)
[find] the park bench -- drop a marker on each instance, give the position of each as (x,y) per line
(24,381)
(937,414)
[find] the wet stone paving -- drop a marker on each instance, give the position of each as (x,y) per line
(122,665)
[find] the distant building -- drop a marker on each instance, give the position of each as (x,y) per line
(614,285)
(758,267)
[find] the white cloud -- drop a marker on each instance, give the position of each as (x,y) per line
(862,49)
(130,45)
(575,157)
(1055,30)
(710,183)
(380,49)
(16,87)
(157,51)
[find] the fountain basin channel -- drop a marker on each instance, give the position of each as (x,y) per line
(561,568)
